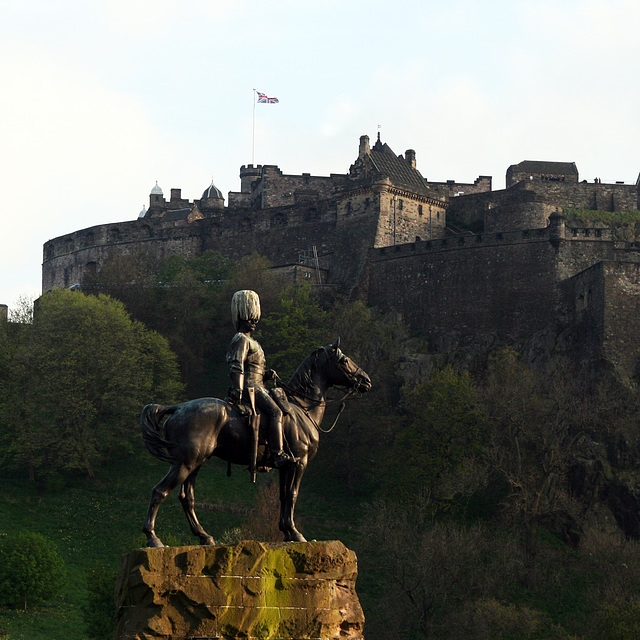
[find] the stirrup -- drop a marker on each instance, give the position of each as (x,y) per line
(282,460)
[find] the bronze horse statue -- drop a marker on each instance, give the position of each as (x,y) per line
(196,430)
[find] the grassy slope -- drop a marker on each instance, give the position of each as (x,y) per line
(92,522)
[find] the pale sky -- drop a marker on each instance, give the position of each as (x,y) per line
(100,99)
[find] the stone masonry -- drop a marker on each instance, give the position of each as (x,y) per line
(451,257)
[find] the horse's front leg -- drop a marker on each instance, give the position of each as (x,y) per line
(177,475)
(187,499)
(290,477)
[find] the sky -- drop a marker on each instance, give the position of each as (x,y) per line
(101,99)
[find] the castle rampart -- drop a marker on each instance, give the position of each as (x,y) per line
(509,284)
(388,234)
(529,204)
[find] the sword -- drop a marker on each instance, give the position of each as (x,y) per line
(254,422)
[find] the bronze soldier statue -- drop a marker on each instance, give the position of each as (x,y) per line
(247,363)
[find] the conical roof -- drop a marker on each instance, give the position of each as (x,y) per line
(212,192)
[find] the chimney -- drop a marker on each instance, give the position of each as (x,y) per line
(176,194)
(410,157)
(364,147)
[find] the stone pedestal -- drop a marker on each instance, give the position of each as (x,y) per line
(289,591)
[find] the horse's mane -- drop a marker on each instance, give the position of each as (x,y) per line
(301,380)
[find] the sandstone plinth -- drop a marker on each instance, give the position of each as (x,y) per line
(293,591)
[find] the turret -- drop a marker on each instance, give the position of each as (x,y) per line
(556,228)
(364,148)
(248,175)
(212,199)
(156,199)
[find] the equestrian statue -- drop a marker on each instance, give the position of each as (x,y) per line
(252,427)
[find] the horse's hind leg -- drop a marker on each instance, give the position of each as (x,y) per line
(177,474)
(187,500)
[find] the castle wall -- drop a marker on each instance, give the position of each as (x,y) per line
(280,234)
(587,195)
(621,313)
(606,299)
(528,204)
(494,284)
(502,210)
(452,189)
(275,189)
(508,283)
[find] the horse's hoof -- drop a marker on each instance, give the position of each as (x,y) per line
(295,536)
(155,543)
(207,540)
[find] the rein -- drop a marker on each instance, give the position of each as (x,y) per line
(296,392)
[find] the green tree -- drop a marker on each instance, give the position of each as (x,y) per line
(78,378)
(293,330)
(99,611)
(437,452)
(31,570)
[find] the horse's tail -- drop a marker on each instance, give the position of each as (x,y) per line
(150,425)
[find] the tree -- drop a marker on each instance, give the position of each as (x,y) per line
(430,568)
(99,611)
(293,329)
(87,369)
(436,452)
(30,569)
(535,429)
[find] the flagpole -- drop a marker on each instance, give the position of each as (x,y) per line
(253,134)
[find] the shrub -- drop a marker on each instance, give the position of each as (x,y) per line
(30,567)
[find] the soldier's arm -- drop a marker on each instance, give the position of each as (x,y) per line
(236,358)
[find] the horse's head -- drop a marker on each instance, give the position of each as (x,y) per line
(342,371)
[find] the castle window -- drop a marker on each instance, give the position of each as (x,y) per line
(280,219)
(400,205)
(349,207)
(366,203)
(419,209)
(311,214)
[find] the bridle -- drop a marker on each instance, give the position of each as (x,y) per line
(353,378)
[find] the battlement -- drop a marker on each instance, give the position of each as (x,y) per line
(551,233)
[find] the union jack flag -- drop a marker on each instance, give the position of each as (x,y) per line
(263,99)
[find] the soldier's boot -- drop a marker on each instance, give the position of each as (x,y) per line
(279,458)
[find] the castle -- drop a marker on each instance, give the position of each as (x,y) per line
(459,261)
